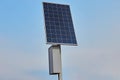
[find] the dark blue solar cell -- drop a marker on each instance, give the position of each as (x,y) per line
(58,23)
(49,39)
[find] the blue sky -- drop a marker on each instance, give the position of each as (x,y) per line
(23,50)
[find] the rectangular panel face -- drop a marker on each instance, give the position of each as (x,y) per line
(58,24)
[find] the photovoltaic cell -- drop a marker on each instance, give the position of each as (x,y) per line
(58,24)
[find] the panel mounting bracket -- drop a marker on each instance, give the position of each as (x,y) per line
(55,65)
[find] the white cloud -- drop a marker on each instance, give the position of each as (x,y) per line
(102,62)
(15,62)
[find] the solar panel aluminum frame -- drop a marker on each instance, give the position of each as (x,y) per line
(57,43)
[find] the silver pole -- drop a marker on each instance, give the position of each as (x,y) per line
(60,76)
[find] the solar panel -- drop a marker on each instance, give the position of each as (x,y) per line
(58,24)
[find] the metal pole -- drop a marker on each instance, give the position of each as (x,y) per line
(60,76)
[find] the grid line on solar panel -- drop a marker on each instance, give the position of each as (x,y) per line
(58,23)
